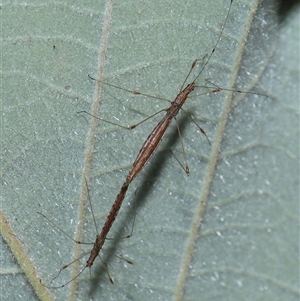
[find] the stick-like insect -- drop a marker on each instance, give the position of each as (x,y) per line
(149,147)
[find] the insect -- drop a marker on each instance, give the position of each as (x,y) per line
(148,148)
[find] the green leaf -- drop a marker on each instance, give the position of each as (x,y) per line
(230,230)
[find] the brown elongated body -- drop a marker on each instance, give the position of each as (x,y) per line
(145,153)
(149,147)
(142,158)
(158,132)
(100,239)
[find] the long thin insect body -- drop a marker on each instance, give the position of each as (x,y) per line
(144,155)
(148,148)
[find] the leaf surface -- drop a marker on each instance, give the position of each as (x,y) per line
(230,230)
